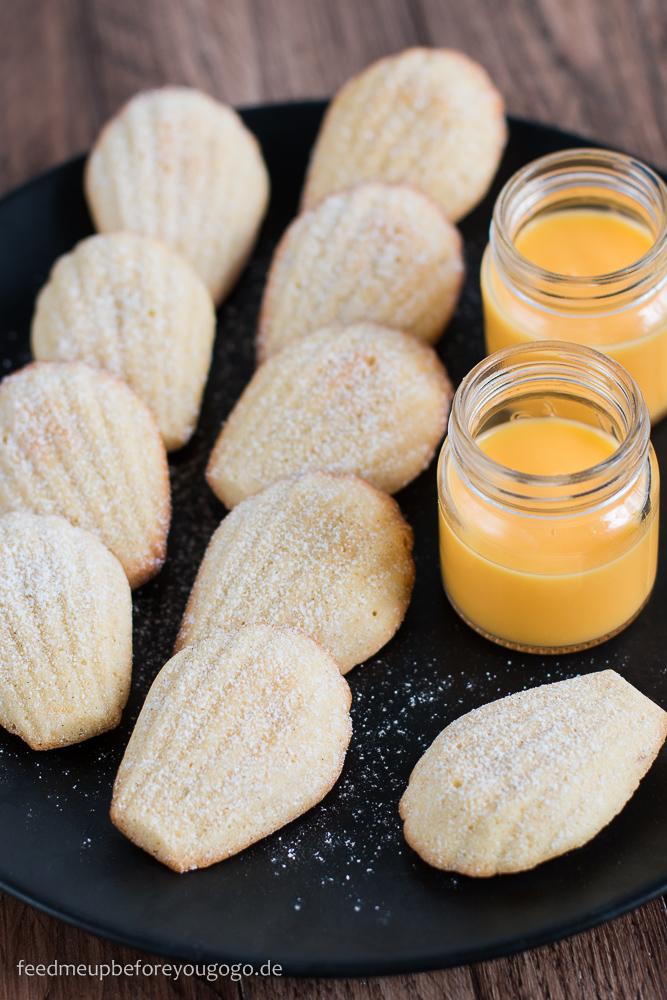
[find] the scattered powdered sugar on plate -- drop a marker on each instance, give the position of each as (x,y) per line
(351,845)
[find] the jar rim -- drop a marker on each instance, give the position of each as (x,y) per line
(590,485)
(640,181)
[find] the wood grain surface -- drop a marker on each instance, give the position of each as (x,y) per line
(595,66)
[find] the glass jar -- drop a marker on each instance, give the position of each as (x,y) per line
(558,562)
(624,312)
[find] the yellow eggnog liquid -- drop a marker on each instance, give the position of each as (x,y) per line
(566,579)
(584,243)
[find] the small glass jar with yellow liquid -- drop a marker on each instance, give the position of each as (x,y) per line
(548,499)
(578,251)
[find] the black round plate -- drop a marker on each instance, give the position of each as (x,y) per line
(337,892)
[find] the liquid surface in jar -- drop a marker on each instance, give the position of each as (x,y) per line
(583,242)
(545,581)
(550,446)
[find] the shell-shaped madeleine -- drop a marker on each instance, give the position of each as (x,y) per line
(378,252)
(327,554)
(239,734)
(66,638)
(181,167)
(531,776)
(430,118)
(360,399)
(131,305)
(76,441)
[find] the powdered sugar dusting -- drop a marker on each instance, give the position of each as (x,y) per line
(65,646)
(376,253)
(179,166)
(435,666)
(325,553)
(525,778)
(131,305)
(240,733)
(362,399)
(77,442)
(427,117)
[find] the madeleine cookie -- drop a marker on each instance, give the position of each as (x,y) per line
(239,734)
(78,442)
(430,118)
(131,305)
(327,554)
(362,399)
(378,252)
(66,640)
(531,776)
(180,166)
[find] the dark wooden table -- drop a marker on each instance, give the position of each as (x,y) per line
(596,66)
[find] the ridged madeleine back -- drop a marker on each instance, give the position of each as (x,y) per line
(181,167)
(327,554)
(78,442)
(66,640)
(531,776)
(239,734)
(131,305)
(429,118)
(379,253)
(361,399)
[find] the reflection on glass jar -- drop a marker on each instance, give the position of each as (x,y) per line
(548,498)
(578,252)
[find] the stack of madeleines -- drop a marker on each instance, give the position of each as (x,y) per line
(311,572)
